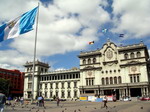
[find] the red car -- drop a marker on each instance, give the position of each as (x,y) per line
(145,99)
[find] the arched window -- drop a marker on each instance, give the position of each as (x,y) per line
(106,71)
(126,56)
(110,71)
(134,79)
(131,79)
(115,80)
(111,80)
(84,61)
(107,81)
(138,54)
(103,81)
(138,79)
(89,61)
(132,55)
(94,60)
(119,80)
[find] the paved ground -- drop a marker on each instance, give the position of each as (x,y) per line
(80,106)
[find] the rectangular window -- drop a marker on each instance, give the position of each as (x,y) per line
(63,94)
(51,85)
(131,79)
(40,86)
(68,84)
(138,78)
(56,85)
(69,96)
(62,85)
(45,94)
(30,78)
(56,93)
(45,86)
(87,82)
(29,85)
(134,79)
(51,94)
(90,81)
(75,84)
(75,94)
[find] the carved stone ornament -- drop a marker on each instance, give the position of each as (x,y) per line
(109,54)
(89,73)
(133,69)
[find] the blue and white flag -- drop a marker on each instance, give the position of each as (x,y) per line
(104,30)
(18,26)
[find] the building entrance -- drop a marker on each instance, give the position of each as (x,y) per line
(112,92)
(108,92)
(135,92)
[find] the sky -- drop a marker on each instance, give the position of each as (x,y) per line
(65,27)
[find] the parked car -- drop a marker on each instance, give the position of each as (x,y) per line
(126,98)
(145,98)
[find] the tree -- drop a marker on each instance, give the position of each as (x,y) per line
(5,85)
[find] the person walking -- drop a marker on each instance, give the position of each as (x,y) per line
(2,101)
(9,100)
(21,101)
(40,101)
(105,102)
(57,100)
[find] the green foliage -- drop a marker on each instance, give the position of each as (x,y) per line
(4,86)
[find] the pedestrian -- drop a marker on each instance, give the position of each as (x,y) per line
(57,100)
(9,100)
(105,101)
(42,101)
(21,101)
(39,100)
(2,101)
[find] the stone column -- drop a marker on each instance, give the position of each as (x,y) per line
(120,93)
(146,91)
(129,92)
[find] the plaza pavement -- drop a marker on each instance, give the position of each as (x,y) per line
(83,106)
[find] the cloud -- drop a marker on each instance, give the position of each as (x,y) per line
(12,59)
(131,17)
(64,26)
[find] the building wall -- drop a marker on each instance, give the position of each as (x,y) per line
(16,81)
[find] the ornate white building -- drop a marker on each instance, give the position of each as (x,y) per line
(64,84)
(119,70)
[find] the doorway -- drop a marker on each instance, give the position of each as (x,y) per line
(135,92)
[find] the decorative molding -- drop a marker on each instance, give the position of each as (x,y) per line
(90,68)
(110,62)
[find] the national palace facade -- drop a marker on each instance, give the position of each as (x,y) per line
(118,70)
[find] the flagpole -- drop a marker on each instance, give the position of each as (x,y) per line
(35,43)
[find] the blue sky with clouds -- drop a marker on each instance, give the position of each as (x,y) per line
(66,27)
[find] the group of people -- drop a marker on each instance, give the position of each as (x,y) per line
(2,101)
(40,101)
